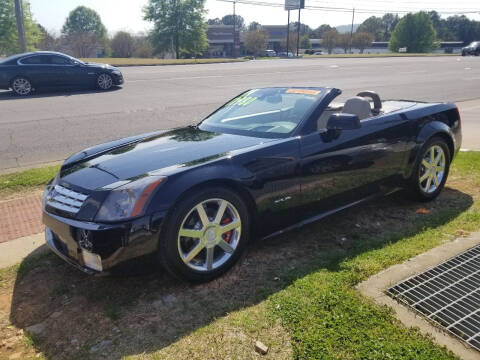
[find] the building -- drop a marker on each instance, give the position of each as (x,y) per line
(220,41)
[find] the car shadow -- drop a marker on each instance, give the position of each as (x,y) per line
(43,93)
(72,315)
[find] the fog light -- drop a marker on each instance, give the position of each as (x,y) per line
(93,261)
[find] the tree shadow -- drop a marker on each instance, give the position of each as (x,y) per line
(45,93)
(79,316)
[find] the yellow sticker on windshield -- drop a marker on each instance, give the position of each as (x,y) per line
(303,91)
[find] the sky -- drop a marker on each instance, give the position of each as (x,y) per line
(127,14)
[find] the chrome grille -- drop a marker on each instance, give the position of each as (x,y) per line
(65,199)
(447,294)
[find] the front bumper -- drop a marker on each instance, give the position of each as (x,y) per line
(107,245)
(117,79)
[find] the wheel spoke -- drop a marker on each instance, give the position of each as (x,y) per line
(438,158)
(440,168)
(230,226)
(426,164)
(197,234)
(435,179)
(432,154)
(194,252)
(209,259)
(225,246)
(429,183)
(202,214)
(220,212)
(423,177)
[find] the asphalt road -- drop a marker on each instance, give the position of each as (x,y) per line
(48,127)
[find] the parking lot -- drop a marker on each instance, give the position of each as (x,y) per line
(49,126)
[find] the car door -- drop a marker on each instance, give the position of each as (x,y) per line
(62,69)
(37,69)
(340,167)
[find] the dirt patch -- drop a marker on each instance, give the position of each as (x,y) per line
(74,316)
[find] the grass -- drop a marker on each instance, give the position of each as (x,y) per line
(376,55)
(27,180)
(146,62)
(297,297)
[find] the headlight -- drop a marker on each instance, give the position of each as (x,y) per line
(129,200)
(117,72)
(48,190)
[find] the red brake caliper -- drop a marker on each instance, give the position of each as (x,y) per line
(228,235)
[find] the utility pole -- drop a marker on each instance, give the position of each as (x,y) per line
(351,29)
(234,50)
(298,30)
(22,42)
(288,30)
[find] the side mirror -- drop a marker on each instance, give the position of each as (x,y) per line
(343,121)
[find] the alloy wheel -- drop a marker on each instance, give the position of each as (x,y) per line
(432,169)
(21,86)
(209,234)
(104,81)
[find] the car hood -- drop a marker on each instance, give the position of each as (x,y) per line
(162,153)
(99,65)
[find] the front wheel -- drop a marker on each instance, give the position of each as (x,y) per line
(104,81)
(206,234)
(431,170)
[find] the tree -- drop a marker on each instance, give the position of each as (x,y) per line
(389,22)
(254,26)
(48,40)
(178,26)
(343,40)
(239,21)
(8,28)
(465,30)
(255,41)
(216,21)
(415,32)
(329,40)
(123,45)
(84,32)
(142,47)
(318,32)
(305,42)
(362,40)
(373,25)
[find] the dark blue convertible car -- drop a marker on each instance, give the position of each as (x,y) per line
(24,73)
(267,161)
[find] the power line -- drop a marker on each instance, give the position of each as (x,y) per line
(349,9)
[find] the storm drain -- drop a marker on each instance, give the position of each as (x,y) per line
(447,294)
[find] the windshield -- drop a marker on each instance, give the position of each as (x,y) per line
(269,112)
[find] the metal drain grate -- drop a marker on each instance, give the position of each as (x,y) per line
(447,294)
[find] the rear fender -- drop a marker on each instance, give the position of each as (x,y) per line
(429,130)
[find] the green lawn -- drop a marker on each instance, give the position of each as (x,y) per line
(27,180)
(142,62)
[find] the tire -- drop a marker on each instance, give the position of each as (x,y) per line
(21,86)
(427,180)
(464,53)
(209,251)
(104,81)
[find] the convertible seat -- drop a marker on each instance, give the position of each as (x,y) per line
(358,106)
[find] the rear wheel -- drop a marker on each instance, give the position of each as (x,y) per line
(207,232)
(431,170)
(21,86)
(104,81)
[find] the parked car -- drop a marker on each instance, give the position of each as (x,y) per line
(269,53)
(318,53)
(24,73)
(472,49)
(284,54)
(270,160)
